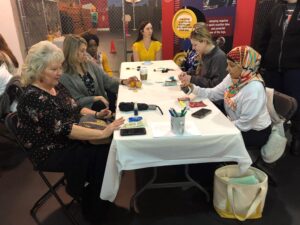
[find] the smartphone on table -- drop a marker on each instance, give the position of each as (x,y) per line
(201,113)
(132,131)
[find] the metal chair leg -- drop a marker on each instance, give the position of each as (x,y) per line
(47,195)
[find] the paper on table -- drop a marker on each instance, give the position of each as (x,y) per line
(163,129)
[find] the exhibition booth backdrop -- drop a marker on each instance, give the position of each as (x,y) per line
(243,25)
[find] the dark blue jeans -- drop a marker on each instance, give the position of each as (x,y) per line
(287,82)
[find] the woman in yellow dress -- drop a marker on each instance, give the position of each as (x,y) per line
(146,47)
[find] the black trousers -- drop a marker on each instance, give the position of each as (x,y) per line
(82,163)
(256,138)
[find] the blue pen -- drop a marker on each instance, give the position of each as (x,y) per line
(171,112)
(174,112)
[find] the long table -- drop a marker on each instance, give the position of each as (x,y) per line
(211,139)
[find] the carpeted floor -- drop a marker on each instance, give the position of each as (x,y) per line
(21,187)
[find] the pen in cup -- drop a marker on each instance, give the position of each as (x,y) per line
(171,113)
(174,112)
(182,113)
(177,121)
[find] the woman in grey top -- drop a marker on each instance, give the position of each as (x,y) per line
(212,68)
(87,83)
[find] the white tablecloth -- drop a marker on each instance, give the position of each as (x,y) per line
(216,139)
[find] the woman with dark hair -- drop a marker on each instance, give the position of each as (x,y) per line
(146,47)
(100,58)
(7,56)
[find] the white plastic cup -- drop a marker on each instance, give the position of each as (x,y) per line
(143,73)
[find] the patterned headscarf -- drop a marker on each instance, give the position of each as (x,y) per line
(249,59)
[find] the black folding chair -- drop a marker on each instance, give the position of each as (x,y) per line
(285,106)
(11,121)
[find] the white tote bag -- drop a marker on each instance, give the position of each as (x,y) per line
(275,146)
(239,200)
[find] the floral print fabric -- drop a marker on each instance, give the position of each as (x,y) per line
(45,121)
(89,83)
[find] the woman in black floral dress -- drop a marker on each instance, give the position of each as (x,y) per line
(47,127)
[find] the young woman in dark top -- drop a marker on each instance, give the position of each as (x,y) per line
(47,127)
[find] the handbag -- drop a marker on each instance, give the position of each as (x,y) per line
(89,121)
(275,146)
(239,197)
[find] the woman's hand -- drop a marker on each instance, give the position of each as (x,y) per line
(102,99)
(94,135)
(130,79)
(113,126)
(185,79)
(104,114)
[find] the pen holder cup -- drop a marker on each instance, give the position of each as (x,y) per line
(177,125)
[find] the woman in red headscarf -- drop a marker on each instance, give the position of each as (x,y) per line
(244,95)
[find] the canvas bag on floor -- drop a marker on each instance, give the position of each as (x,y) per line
(239,201)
